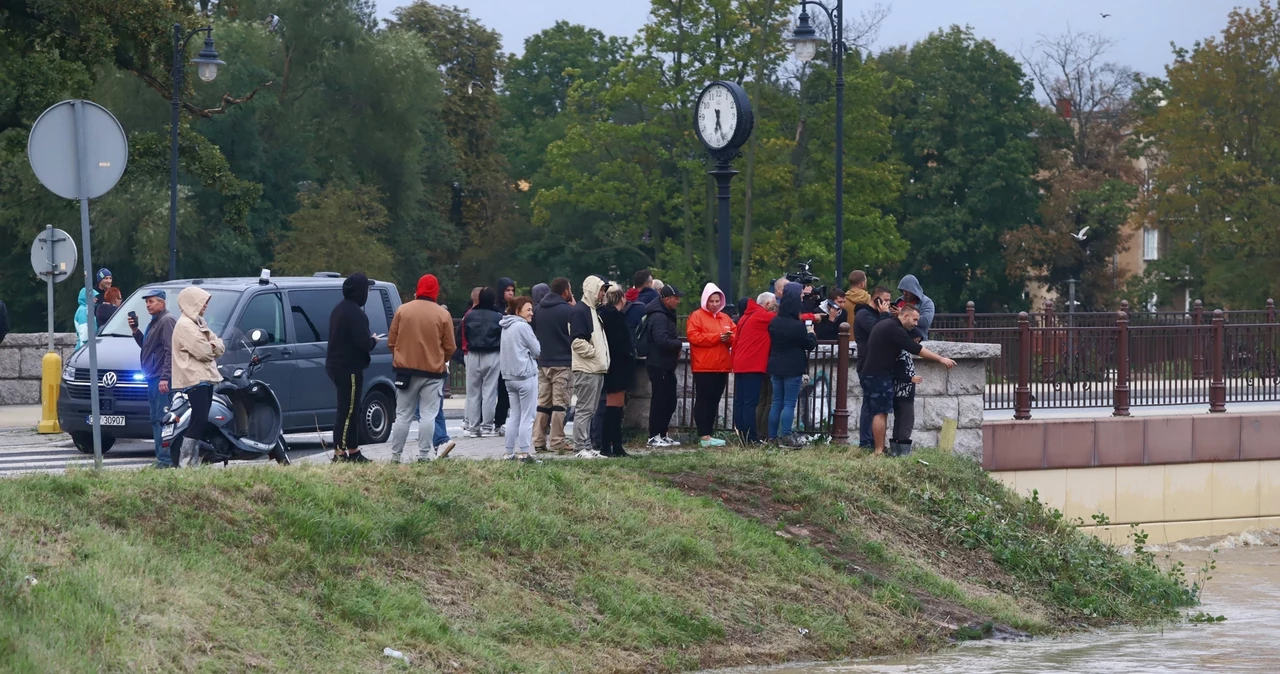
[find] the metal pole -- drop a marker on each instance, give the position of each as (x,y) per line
(1217,385)
(1071,334)
(837,55)
(1022,393)
(48,231)
(176,75)
(723,174)
(1121,393)
(840,429)
(82,159)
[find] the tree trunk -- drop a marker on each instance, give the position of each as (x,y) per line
(709,229)
(688,217)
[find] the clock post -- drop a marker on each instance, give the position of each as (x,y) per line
(724,123)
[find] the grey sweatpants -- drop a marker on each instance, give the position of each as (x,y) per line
(482,388)
(425,393)
(587,388)
(524,403)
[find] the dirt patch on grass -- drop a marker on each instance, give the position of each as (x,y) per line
(941,616)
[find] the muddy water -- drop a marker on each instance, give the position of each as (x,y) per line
(1245,588)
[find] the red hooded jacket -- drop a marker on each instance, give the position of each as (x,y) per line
(751,348)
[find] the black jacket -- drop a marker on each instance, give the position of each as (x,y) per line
(635,310)
(551,326)
(789,339)
(622,352)
(888,339)
(103,313)
(350,341)
(864,319)
(664,340)
(484,330)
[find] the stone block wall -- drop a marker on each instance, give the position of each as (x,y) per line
(20,356)
(944,394)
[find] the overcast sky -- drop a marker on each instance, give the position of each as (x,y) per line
(1142,29)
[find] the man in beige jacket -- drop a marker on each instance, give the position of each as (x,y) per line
(195,367)
(590,363)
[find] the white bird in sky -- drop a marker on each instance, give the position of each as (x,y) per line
(1081,235)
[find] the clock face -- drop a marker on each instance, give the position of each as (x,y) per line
(717,116)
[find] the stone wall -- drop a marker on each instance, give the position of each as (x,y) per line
(944,394)
(20,356)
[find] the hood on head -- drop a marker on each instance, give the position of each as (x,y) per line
(742,304)
(632,294)
(591,290)
(858,297)
(509,320)
(82,299)
(910,284)
(550,300)
(646,295)
(356,288)
(709,290)
(428,287)
(500,292)
(191,300)
(539,292)
(790,303)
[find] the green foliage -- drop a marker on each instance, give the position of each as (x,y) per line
(339,229)
(961,125)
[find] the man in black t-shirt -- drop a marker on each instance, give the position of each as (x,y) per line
(888,340)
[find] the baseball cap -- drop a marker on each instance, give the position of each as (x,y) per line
(104,273)
(670,291)
(155,292)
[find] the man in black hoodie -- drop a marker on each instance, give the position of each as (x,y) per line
(551,320)
(506,291)
(663,346)
(350,344)
(865,318)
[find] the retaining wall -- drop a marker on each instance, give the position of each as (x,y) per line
(20,356)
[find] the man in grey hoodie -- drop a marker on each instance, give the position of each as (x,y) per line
(519,368)
(914,295)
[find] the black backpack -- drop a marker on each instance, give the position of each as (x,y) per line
(642,338)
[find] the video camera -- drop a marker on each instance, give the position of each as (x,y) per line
(804,277)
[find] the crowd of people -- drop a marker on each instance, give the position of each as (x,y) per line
(533,362)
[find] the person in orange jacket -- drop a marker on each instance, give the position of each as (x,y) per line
(711,334)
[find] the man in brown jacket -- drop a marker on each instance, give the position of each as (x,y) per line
(421,343)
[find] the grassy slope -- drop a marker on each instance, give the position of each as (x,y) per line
(664,563)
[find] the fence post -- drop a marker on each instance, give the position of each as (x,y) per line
(1197,344)
(1122,365)
(1217,386)
(969,321)
(1022,394)
(1050,335)
(1271,341)
(840,429)
(1271,311)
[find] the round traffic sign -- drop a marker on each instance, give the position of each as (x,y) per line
(51,149)
(53,253)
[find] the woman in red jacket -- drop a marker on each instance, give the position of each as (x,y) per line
(750,363)
(710,339)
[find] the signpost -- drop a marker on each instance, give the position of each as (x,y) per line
(53,257)
(78,150)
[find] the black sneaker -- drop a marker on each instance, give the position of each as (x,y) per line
(358,458)
(338,458)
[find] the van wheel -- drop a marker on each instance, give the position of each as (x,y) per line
(84,442)
(376,416)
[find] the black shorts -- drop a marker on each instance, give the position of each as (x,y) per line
(879,392)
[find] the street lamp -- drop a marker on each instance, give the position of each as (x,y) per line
(207,63)
(805,44)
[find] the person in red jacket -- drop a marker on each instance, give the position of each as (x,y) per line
(750,363)
(711,334)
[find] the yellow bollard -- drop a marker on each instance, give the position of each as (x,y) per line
(50,388)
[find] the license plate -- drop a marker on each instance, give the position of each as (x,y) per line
(107,420)
(166,431)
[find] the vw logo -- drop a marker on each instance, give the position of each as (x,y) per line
(109,380)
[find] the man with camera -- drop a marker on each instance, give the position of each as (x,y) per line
(157,363)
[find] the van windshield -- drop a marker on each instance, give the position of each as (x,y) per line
(221,304)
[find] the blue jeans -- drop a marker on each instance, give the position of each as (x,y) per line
(746,397)
(441,434)
(159,403)
(786,391)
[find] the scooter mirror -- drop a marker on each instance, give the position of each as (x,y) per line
(258,337)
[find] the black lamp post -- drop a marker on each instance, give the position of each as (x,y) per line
(805,42)
(207,68)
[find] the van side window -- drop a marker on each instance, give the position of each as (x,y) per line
(377,309)
(311,310)
(264,311)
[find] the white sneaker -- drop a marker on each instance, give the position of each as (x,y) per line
(502,431)
(657,441)
(588,454)
(474,433)
(670,442)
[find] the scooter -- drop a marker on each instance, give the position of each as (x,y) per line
(244,417)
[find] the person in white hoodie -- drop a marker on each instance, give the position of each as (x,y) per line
(194,365)
(519,367)
(590,363)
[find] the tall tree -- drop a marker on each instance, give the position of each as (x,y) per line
(1213,120)
(962,129)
